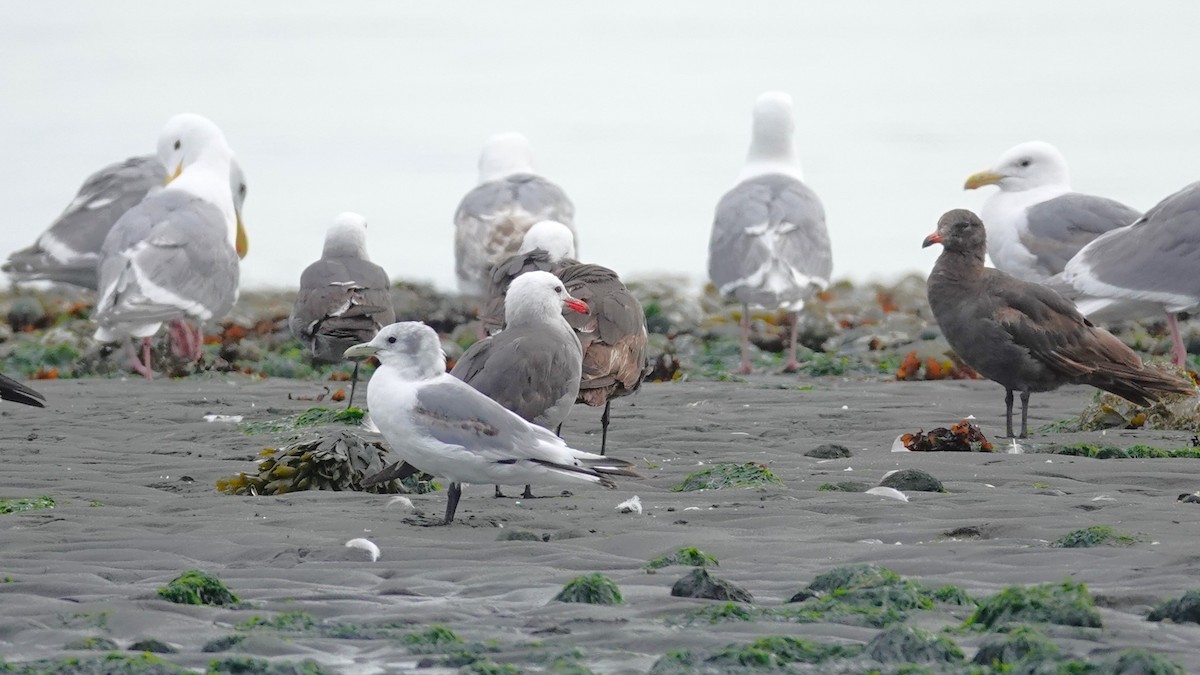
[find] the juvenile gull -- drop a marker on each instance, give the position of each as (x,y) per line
(532,367)
(1153,261)
(175,254)
(1035,222)
(19,392)
(344,298)
(441,425)
(69,250)
(1024,335)
(547,246)
(769,246)
(492,218)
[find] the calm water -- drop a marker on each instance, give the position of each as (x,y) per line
(639,110)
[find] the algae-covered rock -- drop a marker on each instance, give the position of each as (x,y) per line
(111,664)
(100,644)
(829,451)
(1021,644)
(1180,610)
(245,665)
(844,486)
(435,638)
(720,476)
(153,646)
(913,479)
(1136,662)
(594,589)
(195,587)
(1067,604)
(688,555)
(675,662)
(223,643)
(25,504)
(906,644)
(1096,535)
(779,651)
(1173,412)
(700,584)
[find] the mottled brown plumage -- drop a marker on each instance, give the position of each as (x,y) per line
(1025,336)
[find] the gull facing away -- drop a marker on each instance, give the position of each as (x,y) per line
(175,254)
(533,367)
(19,392)
(1153,261)
(492,218)
(769,246)
(1024,335)
(68,251)
(344,298)
(547,246)
(441,425)
(1035,222)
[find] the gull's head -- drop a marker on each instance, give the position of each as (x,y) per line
(538,297)
(237,183)
(552,237)
(504,155)
(772,144)
(347,237)
(1027,166)
(184,139)
(959,231)
(410,346)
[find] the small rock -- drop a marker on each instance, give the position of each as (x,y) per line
(700,584)
(1180,610)
(153,646)
(904,644)
(518,535)
(913,480)
(829,451)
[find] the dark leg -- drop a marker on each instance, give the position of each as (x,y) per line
(353,383)
(745,368)
(604,427)
(1008,401)
(528,493)
(452,496)
(1024,414)
(792,364)
(499,494)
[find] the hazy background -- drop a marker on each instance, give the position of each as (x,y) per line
(640,110)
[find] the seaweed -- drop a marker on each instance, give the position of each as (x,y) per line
(1179,610)
(776,651)
(594,589)
(284,621)
(26,504)
(1067,604)
(195,587)
(720,476)
(1096,535)
(111,664)
(688,556)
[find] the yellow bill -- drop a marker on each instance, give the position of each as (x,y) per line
(171,177)
(242,243)
(982,178)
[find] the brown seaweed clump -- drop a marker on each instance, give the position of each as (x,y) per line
(951,368)
(337,459)
(960,437)
(1174,412)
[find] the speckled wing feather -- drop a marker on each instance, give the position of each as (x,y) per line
(342,301)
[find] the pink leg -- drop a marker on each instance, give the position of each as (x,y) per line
(196,342)
(1178,351)
(792,364)
(177,337)
(142,366)
(745,369)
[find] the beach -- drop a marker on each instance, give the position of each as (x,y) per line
(132,468)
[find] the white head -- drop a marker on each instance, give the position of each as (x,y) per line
(538,297)
(185,139)
(198,161)
(504,155)
(346,237)
(410,346)
(1027,166)
(772,142)
(552,237)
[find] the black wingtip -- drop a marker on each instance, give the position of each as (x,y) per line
(17,392)
(397,471)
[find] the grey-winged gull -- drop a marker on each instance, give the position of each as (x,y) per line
(441,425)
(769,246)
(533,367)
(175,254)
(492,218)
(19,392)
(1035,222)
(1024,335)
(547,246)
(69,250)
(1153,261)
(344,298)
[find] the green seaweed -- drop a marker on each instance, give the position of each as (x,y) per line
(1022,644)
(435,638)
(720,476)
(27,358)
(246,665)
(312,416)
(688,555)
(195,587)
(593,589)
(26,504)
(1067,604)
(490,667)
(93,643)
(777,651)
(110,664)
(284,621)
(1096,535)
(908,644)
(1179,610)
(223,644)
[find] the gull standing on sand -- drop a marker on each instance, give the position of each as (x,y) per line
(440,425)
(492,219)
(547,246)
(1035,223)
(69,250)
(533,367)
(769,246)
(175,254)
(344,298)
(1024,335)
(1155,261)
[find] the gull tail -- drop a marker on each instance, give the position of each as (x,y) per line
(1144,386)
(595,470)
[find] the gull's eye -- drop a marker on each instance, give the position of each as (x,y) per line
(177,144)
(1025,162)
(392,340)
(558,289)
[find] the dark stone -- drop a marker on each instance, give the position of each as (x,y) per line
(153,646)
(1189,498)
(847,486)
(829,451)
(1179,610)
(700,584)
(904,644)
(913,480)
(518,535)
